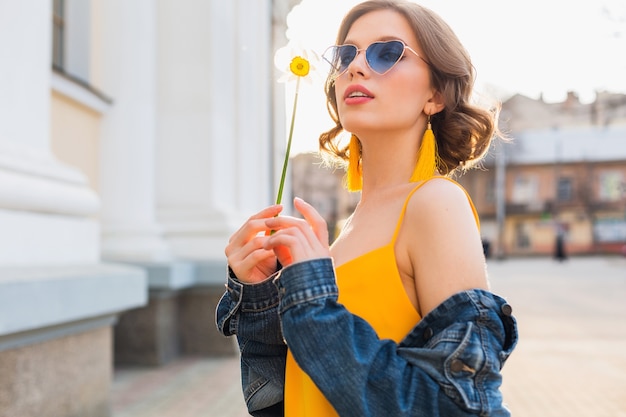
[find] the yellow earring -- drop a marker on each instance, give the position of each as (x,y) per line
(355,176)
(427,157)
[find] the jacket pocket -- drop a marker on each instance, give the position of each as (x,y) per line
(461,370)
(463,358)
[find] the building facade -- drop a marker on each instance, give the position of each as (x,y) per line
(563,172)
(135,136)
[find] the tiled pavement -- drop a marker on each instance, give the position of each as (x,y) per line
(191,387)
(571,359)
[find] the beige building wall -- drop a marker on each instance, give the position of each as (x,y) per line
(534,235)
(75,135)
(533,211)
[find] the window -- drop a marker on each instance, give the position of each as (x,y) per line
(610,186)
(525,190)
(564,189)
(610,229)
(71,52)
(71,38)
(58,33)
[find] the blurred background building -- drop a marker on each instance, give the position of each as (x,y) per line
(135,136)
(564,172)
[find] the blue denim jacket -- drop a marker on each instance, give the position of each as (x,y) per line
(448,365)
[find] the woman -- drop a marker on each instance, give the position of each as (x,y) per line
(395,319)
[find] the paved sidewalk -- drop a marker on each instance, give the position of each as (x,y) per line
(191,387)
(571,359)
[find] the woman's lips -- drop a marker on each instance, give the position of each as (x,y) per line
(357,94)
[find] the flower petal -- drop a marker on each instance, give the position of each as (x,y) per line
(286,76)
(282,57)
(293,60)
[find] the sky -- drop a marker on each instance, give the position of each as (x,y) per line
(535,48)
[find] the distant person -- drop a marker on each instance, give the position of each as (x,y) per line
(396,318)
(559,244)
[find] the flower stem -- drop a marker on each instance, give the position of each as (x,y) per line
(286,161)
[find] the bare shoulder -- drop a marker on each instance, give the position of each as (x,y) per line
(441,241)
(440,197)
(441,211)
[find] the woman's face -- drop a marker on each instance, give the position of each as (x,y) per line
(393,102)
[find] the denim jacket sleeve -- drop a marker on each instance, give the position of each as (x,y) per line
(449,364)
(251,313)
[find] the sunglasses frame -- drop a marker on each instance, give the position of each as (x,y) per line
(338,73)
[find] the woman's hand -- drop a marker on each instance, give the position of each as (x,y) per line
(297,240)
(247,257)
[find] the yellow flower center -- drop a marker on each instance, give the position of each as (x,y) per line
(299,66)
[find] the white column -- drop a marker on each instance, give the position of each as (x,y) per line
(255,81)
(45,206)
(128,75)
(214,120)
(281,9)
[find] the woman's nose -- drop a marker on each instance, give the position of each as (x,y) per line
(358,64)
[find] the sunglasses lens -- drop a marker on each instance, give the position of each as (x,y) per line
(339,57)
(381,56)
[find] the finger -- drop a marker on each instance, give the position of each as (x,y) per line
(254,225)
(312,217)
(305,229)
(289,246)
(241,253)
(247,257)
(266,213)
(244,267)
(283,255)
(282,252)
(300,246)
(284,222)
(287,222)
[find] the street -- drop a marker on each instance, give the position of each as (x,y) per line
(571,359)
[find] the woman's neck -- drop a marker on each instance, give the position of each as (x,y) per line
(387,162)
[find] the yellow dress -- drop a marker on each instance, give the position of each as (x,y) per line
(383,304)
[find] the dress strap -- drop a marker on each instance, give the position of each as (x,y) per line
(406,203)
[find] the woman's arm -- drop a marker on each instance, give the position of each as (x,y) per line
(441,240)
(250,311)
